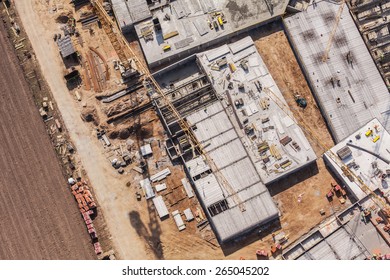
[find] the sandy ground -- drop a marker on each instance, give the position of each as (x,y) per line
(136,230)
(38,215)
(128,244)
(314,182)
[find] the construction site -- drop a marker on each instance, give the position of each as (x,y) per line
(183,27)
(216,129)
(361,231)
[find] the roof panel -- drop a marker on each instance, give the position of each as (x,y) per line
(350,95)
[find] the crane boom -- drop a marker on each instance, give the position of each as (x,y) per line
(108,26)
(333,32)
(183,124)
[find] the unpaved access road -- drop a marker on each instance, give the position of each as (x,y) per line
(128,244)
(39,218)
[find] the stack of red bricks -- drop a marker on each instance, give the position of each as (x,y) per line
(88,222)
(92,231)
(83,195)
(98,248)
(86,203)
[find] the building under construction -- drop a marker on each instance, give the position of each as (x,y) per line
(365,152)
(247,132)
(349,235)
(371,18)
(184,27)
(128,13)
(345,82)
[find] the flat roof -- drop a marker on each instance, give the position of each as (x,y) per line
(344,237)
(367,159)
(272,129)
(361,94)
(190,19)
(161,207)
(229,156)
(128,12)
(65,46)
(146,150)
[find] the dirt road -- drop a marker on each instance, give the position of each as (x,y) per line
(38,215)
(128,244)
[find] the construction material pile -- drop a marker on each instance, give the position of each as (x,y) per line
(83,196)
(87,205)
(386,211)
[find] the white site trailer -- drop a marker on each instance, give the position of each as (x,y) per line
(178,220)
(161,208)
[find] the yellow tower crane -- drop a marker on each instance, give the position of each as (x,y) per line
(333,32)
(118,41)
(112,32)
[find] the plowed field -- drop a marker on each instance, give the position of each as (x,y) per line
(38,216)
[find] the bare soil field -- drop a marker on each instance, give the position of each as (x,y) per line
(38,215)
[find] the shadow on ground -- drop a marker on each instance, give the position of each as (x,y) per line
(256,235)
(150,234)
(289,181)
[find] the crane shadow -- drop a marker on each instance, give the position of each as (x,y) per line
(150,234)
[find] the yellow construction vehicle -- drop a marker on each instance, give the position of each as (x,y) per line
(376,138)
(220,21)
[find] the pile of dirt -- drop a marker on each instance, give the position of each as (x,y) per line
(89,114)
(113,134)
(119,107)
(122,132)
(64,17)
(146,130)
